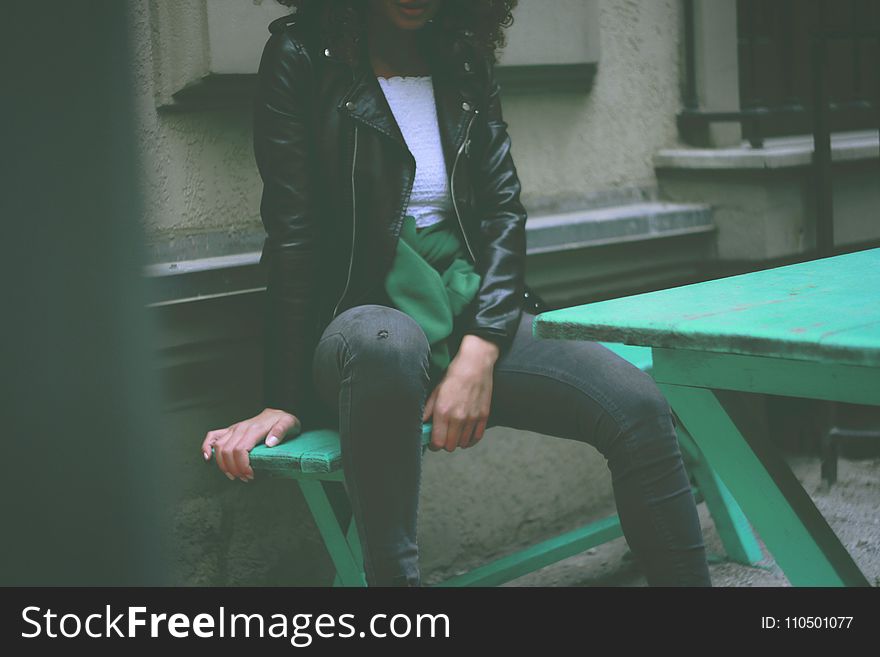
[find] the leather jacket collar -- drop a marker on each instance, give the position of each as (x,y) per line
(456,90)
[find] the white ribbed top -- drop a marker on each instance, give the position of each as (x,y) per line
(411,99)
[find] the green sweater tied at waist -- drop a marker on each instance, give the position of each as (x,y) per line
(432,281)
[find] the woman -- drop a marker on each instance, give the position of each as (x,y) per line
(396,258)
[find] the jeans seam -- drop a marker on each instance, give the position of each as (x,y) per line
(651,494)
(421,449)
(354,496)
(316,370)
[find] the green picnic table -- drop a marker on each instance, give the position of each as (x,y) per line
(808,330)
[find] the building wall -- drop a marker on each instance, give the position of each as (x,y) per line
(199,173)
(569,144)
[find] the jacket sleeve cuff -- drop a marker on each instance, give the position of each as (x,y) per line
(502,341)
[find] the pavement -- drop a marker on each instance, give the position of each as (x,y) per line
(850,506)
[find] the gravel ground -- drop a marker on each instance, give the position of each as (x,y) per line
(850,506)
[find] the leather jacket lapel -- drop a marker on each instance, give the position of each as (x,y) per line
(365,102)
(449,94)
(455,93)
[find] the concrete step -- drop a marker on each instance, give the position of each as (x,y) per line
(598,253)
(617,224)
(554,244)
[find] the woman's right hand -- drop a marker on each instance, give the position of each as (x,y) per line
(233,443)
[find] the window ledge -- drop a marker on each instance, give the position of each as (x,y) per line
(777,153)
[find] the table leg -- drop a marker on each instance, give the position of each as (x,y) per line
(794,531)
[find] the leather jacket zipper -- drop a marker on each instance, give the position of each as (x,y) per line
(353,224)
(465,145)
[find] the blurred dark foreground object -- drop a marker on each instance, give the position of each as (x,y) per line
(82,493)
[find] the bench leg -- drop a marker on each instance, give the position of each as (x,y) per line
(347,560)
(736,533)
(354,543)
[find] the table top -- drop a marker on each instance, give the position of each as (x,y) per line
(825,310)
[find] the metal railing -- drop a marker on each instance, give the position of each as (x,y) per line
(819,109)
(756,111)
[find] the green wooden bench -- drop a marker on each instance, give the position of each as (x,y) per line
(314,460)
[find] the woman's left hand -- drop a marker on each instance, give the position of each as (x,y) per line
(460,403)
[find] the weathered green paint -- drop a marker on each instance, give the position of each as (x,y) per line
(807,330)
(825,310)
(312,452)
(641,357)
(795,533)
(347,568)
(354,545)
(764,374)
(542,554)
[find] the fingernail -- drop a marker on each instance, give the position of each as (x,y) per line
(231,477)
(207,456)
(271,441)
(244,479)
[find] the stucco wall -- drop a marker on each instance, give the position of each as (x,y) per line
(573,144)
(199,173)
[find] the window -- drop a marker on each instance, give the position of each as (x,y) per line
(776,67)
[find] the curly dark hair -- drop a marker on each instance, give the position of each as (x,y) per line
(342,21)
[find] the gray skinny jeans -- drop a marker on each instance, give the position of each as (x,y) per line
(371,363)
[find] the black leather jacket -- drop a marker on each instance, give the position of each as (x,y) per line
(337,177)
